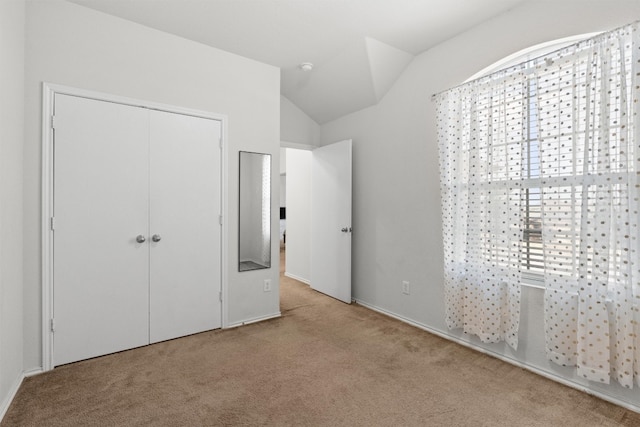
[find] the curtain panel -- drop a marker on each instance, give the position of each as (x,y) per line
(589,147)
(546,155)
(482,133)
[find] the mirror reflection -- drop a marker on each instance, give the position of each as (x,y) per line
(255,212)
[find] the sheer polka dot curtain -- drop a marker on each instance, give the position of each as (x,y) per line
(482,133)
(546,155)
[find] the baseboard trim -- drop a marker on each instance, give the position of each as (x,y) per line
(502,357)
(299,279)
(4,407)
(33,372)
(254,320)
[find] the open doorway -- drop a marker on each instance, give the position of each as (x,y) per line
(316,230)
(295,213)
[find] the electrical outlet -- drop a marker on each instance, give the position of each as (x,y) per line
(267,285)
(405,287)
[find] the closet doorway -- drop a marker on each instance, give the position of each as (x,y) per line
(135,236)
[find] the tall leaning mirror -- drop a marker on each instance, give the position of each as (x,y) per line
(254,245)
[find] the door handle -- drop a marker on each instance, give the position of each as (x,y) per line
(140,238)
(346,230)
(156,238)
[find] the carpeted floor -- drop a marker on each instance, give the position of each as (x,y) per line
(323,363)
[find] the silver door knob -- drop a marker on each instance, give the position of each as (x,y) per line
(156,238)
(140,238)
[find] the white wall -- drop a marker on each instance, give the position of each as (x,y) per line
(297,127)
(12,27)
(298,253)
(71,45)
(396,201)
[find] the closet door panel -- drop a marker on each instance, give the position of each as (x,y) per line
(101,276)
(185,204)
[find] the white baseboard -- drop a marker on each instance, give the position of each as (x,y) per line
(254,320)
(299,279)
(4,407)
(553,377)
(32,372)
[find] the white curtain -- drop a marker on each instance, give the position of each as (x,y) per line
(481,133)
(565,128)
(588,105)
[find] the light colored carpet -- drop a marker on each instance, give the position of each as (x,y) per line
(323,363)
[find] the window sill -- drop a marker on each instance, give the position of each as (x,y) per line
(532,281)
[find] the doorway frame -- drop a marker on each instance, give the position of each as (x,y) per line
(309,148)
(49,90)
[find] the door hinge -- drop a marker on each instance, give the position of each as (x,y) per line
(220,296)
(52,223)
(53,122)
(220,142)
(220,219)
(52,325)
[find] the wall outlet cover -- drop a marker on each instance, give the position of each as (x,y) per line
(405,287)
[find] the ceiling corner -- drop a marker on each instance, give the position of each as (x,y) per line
(386,64)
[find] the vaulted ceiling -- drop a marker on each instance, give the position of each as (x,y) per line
(358,47)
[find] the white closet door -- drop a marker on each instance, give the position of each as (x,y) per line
(185,204)
(101,275)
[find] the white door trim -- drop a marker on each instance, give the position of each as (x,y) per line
(48,95)
(297,146)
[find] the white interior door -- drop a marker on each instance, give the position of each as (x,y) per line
(185,204)
(101,274)
(331,220)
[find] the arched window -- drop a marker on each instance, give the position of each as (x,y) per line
(527,54)
(540,179)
